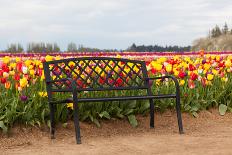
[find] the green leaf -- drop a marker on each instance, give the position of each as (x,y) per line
(4,128)
(197,95)
(49,124)
(187,107)
(91,117)
(120,115)
(194,108)
(65,125)
(222,109)
(132,104)
(229,109)
(195,114)
(104,114)
(95,121)
(132,120)
(128,111)
(145,106)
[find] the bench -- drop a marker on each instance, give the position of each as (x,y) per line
(75,75)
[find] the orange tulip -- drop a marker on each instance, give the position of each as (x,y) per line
(7,85)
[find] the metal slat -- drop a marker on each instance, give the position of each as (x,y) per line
(121,98)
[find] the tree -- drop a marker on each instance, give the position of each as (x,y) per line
(213,33)
(56,48)
(42,47)
(225,29)
(72,47)
(15,48)
(217,31)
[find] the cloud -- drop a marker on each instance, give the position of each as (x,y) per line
(110,23)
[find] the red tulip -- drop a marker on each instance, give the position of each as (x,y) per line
(181,74)
(191,67)
(193,76)
(3,80)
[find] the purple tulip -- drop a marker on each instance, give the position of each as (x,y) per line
(203,61)
(23,98)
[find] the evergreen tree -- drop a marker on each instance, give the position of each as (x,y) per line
(213,33)
(72,47)
(15,48)
(133,47)
(225,29)
(217,31)
(56,48)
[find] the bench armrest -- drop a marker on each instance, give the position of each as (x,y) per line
(60,80)
(167,76)
(163,77)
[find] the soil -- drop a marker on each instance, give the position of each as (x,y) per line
(209,133)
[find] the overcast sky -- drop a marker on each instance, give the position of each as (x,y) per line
(110,23)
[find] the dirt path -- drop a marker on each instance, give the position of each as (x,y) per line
(207,134)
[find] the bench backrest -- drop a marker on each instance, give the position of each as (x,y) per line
(95,74)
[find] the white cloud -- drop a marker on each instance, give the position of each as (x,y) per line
(110,23)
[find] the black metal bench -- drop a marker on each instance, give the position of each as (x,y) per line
(83,74)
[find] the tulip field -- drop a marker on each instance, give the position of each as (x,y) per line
(205,80)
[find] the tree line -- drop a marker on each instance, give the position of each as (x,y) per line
(157,48)
(72,47)
(42,47)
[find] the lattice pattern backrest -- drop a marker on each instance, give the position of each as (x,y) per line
(95,73)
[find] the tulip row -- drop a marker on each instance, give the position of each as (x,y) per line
(205,81)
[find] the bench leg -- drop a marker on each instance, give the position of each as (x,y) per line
(151,113)
(52,120)
(178,111)
(76,122)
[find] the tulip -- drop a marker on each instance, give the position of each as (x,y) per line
(5,74)
(193,76)
(6,59)
(70,105)
(210,77)
(182,82)
(191,84)
(169,68)
(23,98)
(43,94)
(7,85)
(181,74)
(3,80)
(23,82)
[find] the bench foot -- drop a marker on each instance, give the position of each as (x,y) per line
(79,141)
(181,132)
(53,137)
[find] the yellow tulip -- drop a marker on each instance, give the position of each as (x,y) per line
(182,82)
(228,63)
(28,62)
(70,105)
(17,59)
(12,73)
(224,79)
(210,77)
(23,82)
(49,58)
(43,94)
(32,72)
(218,58)
(169,68)
(215,72)
(6,59)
